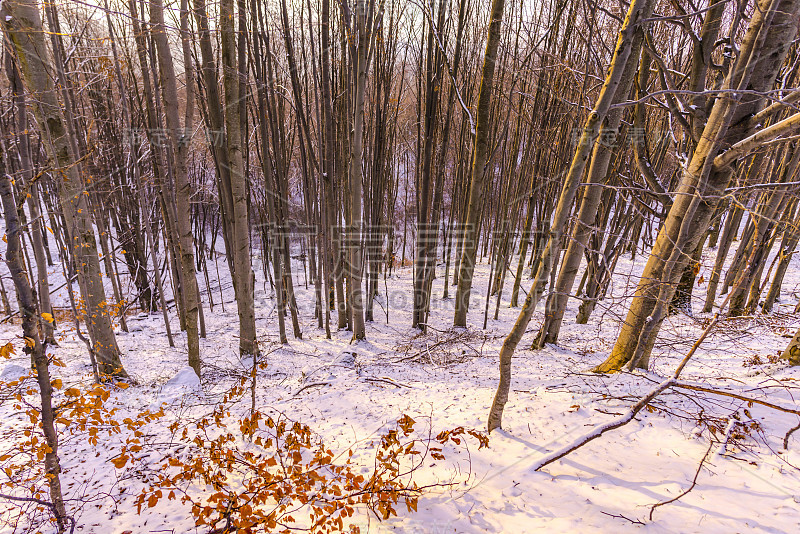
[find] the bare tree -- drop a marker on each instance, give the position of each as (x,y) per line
(479,172)
(33,344)
(179,138)
(23,25)
(707,175)
(637,15)
(243,269)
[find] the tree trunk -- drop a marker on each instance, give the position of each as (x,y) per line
(179,138)
(763,220)
(268,169)
(598,172)
(792,352)
(479,172)
(30,332)
(243,275)
(731,228)
(24,150)
(787,250)
(364,18)
(216,124)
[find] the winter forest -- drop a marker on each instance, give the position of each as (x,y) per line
(424,266)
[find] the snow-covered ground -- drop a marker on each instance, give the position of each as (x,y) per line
(447,379)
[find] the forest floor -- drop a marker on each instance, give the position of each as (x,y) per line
(446,379)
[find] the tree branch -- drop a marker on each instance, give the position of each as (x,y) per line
(749,144)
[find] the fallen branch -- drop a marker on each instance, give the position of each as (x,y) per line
(733,395)
(388,381)
(646,399)
(427,350)
(308,386)
(599,430)
(690,488)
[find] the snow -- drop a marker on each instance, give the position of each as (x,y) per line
(185,382)
(13,372)
(349,393)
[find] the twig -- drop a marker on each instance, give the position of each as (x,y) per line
(41,502)
(388,381)
(307,386)
(788,435)
(420,353)
(428,325)
(723,446)
(9,317)
(620,516)
(690,488)
(450,71)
